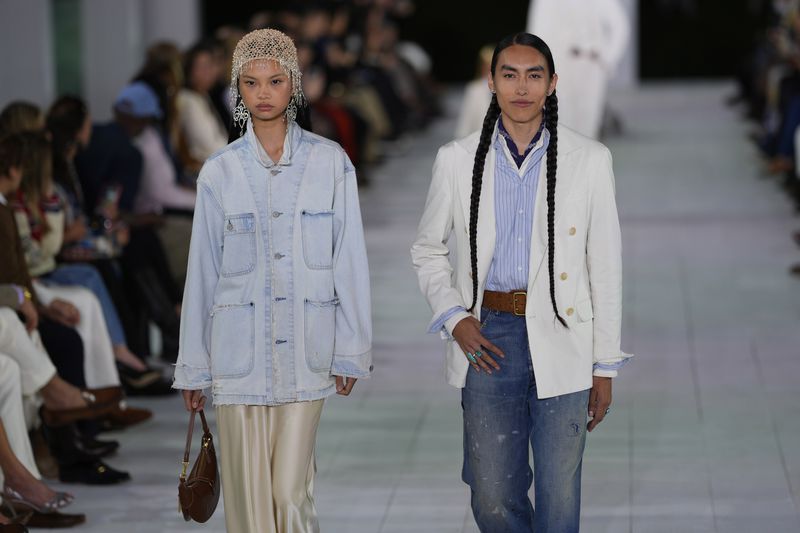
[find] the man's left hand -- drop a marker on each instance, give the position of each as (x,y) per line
(599,400)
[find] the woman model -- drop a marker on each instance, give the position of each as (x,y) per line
(276,310)
(533,311)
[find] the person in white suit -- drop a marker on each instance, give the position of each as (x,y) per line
(531,305)
(588,39)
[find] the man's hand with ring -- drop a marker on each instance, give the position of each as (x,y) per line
(469,337)
(599,401)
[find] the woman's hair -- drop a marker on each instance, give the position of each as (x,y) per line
(37,172)
(20,116)
(191,55)
(10,153)
(64,121)
(551,122)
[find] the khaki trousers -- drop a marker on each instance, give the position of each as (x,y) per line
(267,467)
(99,365)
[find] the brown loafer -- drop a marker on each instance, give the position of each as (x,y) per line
(106,394)
(123,416)
(56,520)
(62,417)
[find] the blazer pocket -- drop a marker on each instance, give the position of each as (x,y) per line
(585,313)
(239,245)
(320,324)
(232,340)
(317,229)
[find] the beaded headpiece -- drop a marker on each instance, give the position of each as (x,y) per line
(271,45)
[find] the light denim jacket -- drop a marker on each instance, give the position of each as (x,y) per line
(277,297)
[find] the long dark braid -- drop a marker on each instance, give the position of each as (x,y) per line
(475,198)
(551,123)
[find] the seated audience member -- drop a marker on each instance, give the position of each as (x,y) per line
(160,193)
(200,123)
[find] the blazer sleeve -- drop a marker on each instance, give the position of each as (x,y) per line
(352,351)
(604,261)
(193,367)
(429,253)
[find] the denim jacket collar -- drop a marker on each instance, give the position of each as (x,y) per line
(293,137)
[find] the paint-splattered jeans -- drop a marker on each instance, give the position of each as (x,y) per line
(501,416)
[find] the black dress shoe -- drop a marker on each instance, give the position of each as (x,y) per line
(56,520)
(99,448)
(94,473)
(162,387)
(67,445)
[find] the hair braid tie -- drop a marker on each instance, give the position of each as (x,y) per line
(477,181)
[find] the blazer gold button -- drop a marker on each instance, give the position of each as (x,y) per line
(570,311)
(572,230)
(563,275)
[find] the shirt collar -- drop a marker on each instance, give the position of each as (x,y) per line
(3,199)
(512,146)
(293,132)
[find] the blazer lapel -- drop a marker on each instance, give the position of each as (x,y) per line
(486,235)
(564,183)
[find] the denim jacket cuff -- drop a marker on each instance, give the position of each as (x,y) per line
(191,378)
(352,366)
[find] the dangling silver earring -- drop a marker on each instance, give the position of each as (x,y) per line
(291,111)
(240,116)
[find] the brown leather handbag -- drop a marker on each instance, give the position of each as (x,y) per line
(198,494)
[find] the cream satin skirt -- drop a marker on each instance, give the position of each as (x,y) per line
(267,466)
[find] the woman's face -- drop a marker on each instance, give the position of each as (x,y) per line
(266,89)
(522,82)
(205,72)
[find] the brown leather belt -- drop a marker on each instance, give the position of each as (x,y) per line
(506,302)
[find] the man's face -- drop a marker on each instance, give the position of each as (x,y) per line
(522,82)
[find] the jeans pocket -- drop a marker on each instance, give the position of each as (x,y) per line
(317,228)
(232,336)
(320,323)
(239,245)
(486,315)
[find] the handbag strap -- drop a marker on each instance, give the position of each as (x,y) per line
(188,449)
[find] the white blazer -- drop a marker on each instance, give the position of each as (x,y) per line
(587,266)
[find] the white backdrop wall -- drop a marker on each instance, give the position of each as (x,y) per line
(114,37)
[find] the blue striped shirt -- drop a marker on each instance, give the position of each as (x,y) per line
(515,186)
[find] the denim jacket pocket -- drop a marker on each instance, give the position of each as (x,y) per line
(320,323)
(317,227)
(232,340)
(239,245)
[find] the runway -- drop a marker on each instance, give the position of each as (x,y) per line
(704,432)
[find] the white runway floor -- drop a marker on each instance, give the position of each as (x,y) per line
(704,434)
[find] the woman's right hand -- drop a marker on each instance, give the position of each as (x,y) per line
(194,400)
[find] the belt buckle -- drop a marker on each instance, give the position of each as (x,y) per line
(514,302)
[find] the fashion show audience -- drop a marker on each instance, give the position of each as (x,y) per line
(95,220)
(769,91)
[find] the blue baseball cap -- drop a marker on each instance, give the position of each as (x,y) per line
(138,100)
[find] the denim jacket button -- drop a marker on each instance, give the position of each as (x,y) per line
(279,256)
(276,214)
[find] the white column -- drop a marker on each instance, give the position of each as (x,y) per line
(26,52)
(177,21)
(112,50)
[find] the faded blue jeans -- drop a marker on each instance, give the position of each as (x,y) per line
(502,418)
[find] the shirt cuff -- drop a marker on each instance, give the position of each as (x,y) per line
(445,323)
(610,369)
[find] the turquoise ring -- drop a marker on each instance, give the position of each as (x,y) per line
(478,353)
(471,358)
